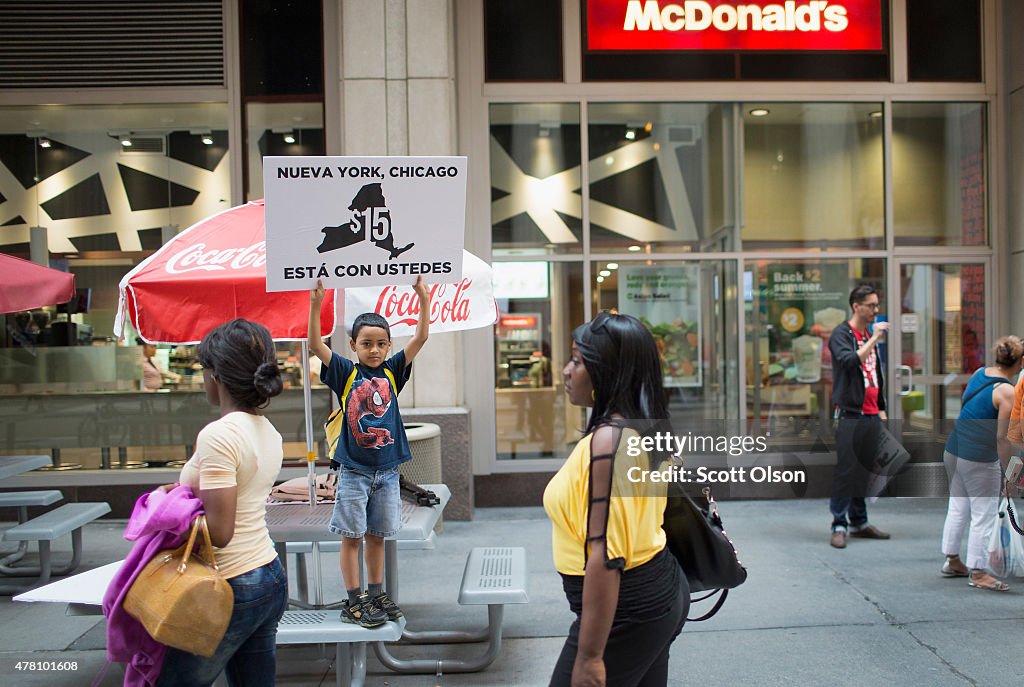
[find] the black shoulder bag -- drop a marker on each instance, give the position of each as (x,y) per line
(697,539)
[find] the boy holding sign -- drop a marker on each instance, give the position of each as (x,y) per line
(371,445)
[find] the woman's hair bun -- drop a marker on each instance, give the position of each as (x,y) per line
(267,379)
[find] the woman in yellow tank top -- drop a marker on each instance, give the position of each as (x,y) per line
(626,589)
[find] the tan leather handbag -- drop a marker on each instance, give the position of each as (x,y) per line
(181,599)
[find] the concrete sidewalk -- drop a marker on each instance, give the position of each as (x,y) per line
(876,613)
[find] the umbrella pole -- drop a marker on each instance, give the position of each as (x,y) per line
(307,402)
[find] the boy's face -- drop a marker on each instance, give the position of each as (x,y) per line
(371,346)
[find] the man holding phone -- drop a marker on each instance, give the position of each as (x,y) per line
(858,400)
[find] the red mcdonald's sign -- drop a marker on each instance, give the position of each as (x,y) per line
(793,25)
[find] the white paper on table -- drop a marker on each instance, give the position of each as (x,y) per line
(84,588)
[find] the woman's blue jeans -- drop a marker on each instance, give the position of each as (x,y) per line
(247,652)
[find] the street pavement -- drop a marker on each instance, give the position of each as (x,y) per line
(875,613)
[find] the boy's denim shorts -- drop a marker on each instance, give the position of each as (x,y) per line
(367,503)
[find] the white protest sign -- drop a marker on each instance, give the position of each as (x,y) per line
(363,221)
(466,304)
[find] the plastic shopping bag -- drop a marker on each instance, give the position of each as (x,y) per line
(1000,551)
(1016,549)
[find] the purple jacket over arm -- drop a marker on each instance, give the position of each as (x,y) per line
(160,520)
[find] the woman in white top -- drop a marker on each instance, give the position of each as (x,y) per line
(237,459)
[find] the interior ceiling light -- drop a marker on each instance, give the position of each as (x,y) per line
(634,249)
(289,137)
(648,126)
(44,142)
(630,134)
(205,135)
(600,279)
(875,115)
(759,112)
(605,273)
(613,265)
(125,140)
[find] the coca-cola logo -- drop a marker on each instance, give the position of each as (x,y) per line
(197,257)
(448,303)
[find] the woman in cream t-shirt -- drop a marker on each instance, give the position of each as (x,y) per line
(236,461)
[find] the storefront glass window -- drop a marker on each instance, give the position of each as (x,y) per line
(536,179)
(280,129)
(690,308)
(660,177)
(940,184)
(791,308)
(539,305)
(813,176)
(108,184)
(107,178)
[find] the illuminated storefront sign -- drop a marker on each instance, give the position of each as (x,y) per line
(811,25)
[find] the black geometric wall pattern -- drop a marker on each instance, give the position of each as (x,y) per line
(148,192)
(14,222)
(20,154)
(106,241)
(190,149)
(638,190)
(86,199)
(151,239)
(546,187)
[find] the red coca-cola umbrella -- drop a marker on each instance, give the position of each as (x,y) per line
(209,274)
(25,285)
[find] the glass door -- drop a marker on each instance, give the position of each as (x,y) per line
(940,337)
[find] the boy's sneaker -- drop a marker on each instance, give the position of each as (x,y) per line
(365,612)
(384,603)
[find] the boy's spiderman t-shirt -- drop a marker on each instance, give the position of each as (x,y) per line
(372,435)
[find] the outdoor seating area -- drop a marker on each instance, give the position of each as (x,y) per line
(494,576)
(43,529)
(808,614)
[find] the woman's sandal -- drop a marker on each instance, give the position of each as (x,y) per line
(951,571)
(986,581)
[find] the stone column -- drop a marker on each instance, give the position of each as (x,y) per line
(396,96)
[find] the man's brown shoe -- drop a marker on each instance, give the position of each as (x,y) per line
(869,532)
(838,539)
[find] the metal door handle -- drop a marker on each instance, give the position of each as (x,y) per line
(905,390)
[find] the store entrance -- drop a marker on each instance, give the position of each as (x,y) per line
(940,337)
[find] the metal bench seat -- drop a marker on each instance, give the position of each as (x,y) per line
(494,576)
(22,500)
(326,627)
(69,518)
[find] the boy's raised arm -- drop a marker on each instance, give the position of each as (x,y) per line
(422,325)
(316,343)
